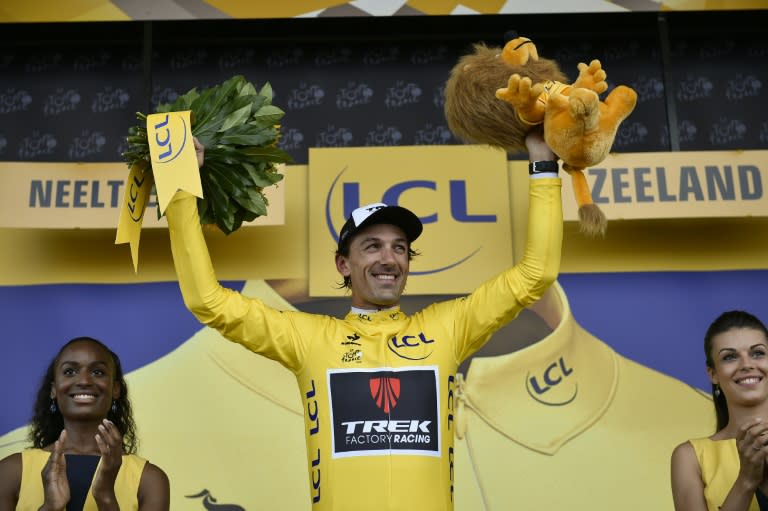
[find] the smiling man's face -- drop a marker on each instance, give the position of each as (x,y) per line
(377,265)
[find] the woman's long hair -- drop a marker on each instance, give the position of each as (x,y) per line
(727,321)
(46,425)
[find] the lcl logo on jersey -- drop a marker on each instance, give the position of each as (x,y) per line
(554,385)
(457,194)
(411,347)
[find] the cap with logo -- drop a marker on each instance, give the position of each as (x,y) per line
(380,213)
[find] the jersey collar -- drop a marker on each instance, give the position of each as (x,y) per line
(547,393)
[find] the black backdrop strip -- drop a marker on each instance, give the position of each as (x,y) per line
(68,91)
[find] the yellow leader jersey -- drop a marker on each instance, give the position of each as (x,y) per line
(378,389)
(719,463)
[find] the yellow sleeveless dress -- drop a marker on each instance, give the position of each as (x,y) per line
(719,462)
(31,491)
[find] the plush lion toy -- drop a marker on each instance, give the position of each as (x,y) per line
(496,96)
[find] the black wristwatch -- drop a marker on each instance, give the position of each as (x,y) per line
(539,167)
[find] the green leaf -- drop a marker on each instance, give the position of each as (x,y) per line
(266,91)
(226,154)
(220,204)
(258,102)
(219,97)
(253,202)
(248,135)
(273,154)
(268,114)
(182,102)
(248,90)
(200,106)
(237,118)
(231,182)
(250,216)
(237,220)
(216,119)
(205,212)
(263,178)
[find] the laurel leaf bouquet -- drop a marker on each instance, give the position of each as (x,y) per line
(238,126)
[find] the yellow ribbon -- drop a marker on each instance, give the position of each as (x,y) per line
(173,168)
(137,190)
(174,163)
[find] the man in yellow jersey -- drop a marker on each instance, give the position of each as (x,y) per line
(378,387)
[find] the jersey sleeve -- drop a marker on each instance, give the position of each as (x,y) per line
(500,299)
(240,319)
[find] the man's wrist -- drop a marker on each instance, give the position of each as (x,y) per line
(543,168)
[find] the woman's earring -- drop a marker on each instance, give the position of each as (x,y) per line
(114,406)
(717,390)
(53,407)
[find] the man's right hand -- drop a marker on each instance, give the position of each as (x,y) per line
(199,152)
(538,150)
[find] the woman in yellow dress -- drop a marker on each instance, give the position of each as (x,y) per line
(83,442)
(727,471)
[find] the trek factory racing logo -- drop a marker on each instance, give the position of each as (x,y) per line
(380,412)
(457,190)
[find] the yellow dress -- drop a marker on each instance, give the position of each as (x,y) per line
(31,495)
(719,462)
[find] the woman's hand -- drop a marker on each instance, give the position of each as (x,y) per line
(110,443)
(54,473)
(750,441)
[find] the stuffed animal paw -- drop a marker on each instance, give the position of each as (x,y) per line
(591,77)
(525,97)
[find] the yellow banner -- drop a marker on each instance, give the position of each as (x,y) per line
(85,196)
(174,163)
(137,191)
(459,192)
(702,184)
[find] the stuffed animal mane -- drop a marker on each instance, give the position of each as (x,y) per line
(473,111)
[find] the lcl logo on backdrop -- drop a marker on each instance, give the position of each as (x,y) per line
(457,190)
(460,193)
